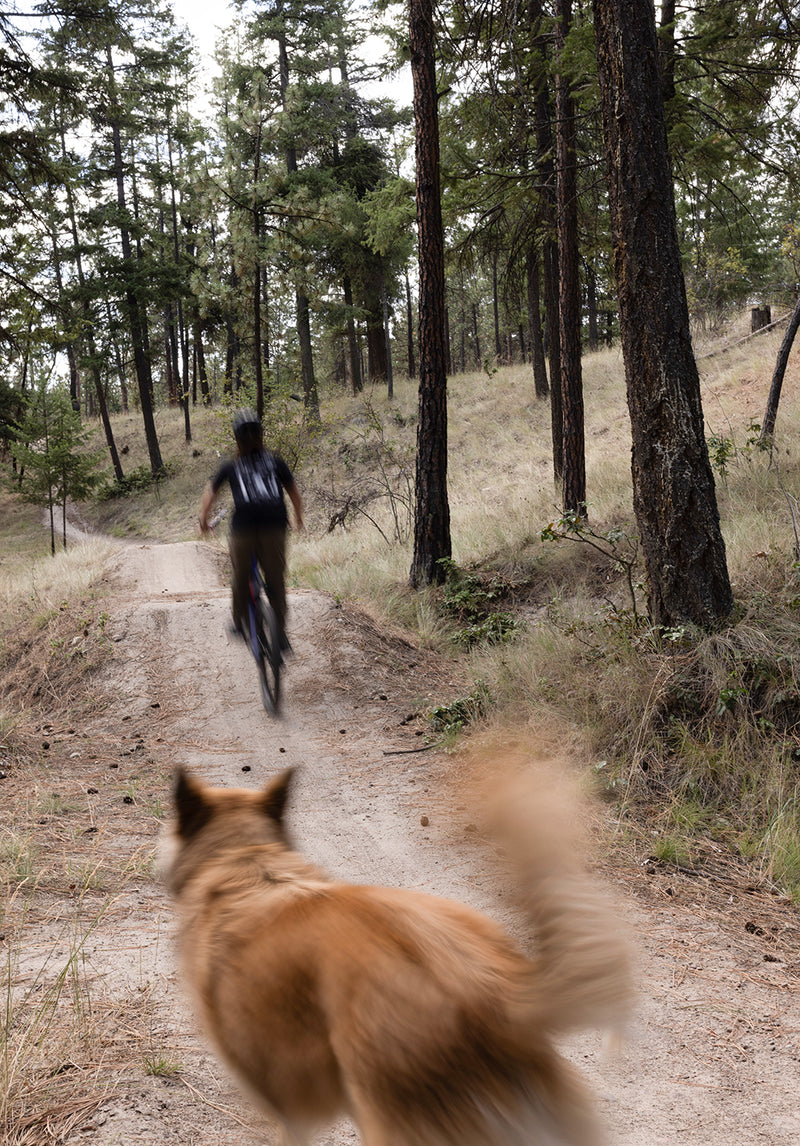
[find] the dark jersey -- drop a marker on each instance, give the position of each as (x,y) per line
(257,483)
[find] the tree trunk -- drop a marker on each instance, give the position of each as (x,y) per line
(388,342)
(412,366)
(135,316)
(258,361)
(476,335)
(569,299)
(200,355)
(310,396)
(352,341)
(771,412)
(547,179)
(496,313)
(666,38)
(88,318)
(376,335)
(432,510)
(673,485)
(540,384)
(591,308)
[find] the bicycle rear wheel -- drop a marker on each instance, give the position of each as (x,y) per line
(269,659)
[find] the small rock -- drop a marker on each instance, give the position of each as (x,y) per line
(424,821)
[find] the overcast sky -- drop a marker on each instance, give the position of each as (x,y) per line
(205,19)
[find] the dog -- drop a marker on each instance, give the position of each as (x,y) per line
(419,1018)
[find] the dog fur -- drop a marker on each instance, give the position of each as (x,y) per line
(416,1016)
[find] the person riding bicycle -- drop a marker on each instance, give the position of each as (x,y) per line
(258,479)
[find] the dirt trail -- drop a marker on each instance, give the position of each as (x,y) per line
(714,1057)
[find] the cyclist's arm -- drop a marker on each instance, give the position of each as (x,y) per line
(206,505)
(297,505)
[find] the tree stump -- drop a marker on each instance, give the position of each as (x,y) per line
(760,316)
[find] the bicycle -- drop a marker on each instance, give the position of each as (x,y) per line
(263,638)
(263,633)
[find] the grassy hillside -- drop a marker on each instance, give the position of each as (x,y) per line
(693,739)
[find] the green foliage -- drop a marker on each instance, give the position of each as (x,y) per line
(135,481)
(470,600)
(699,734)
(619,546)
(160,1066)
(390,217)
(12,407)
(53,454)
(450,719)
(722,450)
(289,429)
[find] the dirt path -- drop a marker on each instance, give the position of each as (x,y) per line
(715,1056)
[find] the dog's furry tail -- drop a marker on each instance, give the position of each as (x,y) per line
(582,973)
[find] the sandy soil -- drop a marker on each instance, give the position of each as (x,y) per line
(714,1056)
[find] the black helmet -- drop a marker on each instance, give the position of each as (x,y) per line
(246,423)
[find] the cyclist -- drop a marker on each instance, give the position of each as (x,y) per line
(258,480)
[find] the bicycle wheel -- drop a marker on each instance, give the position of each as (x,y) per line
(269,659)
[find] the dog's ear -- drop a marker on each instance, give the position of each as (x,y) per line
(193,810)
(276,794)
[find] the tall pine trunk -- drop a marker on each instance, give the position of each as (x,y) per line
(133,305)
(310,396)
(352,341)
(547,178)
(88,321)
(432,510)
(569,300)
(673,485)
(540,385)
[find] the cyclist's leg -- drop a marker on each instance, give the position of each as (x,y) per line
(271,553)
(240,546)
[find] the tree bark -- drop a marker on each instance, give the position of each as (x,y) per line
(356,380)
(136,318)
(569,299)
(310,395)
(432,510)
(673,485)
(88,318)
(547,178)
(412,366)
(496,313)
(771,412)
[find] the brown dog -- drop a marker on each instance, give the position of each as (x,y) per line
(418,1017)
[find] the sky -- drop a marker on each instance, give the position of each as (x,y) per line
(205,19)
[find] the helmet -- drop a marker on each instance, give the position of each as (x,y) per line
(245,423)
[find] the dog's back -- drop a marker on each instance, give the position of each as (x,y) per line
(417,1016)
